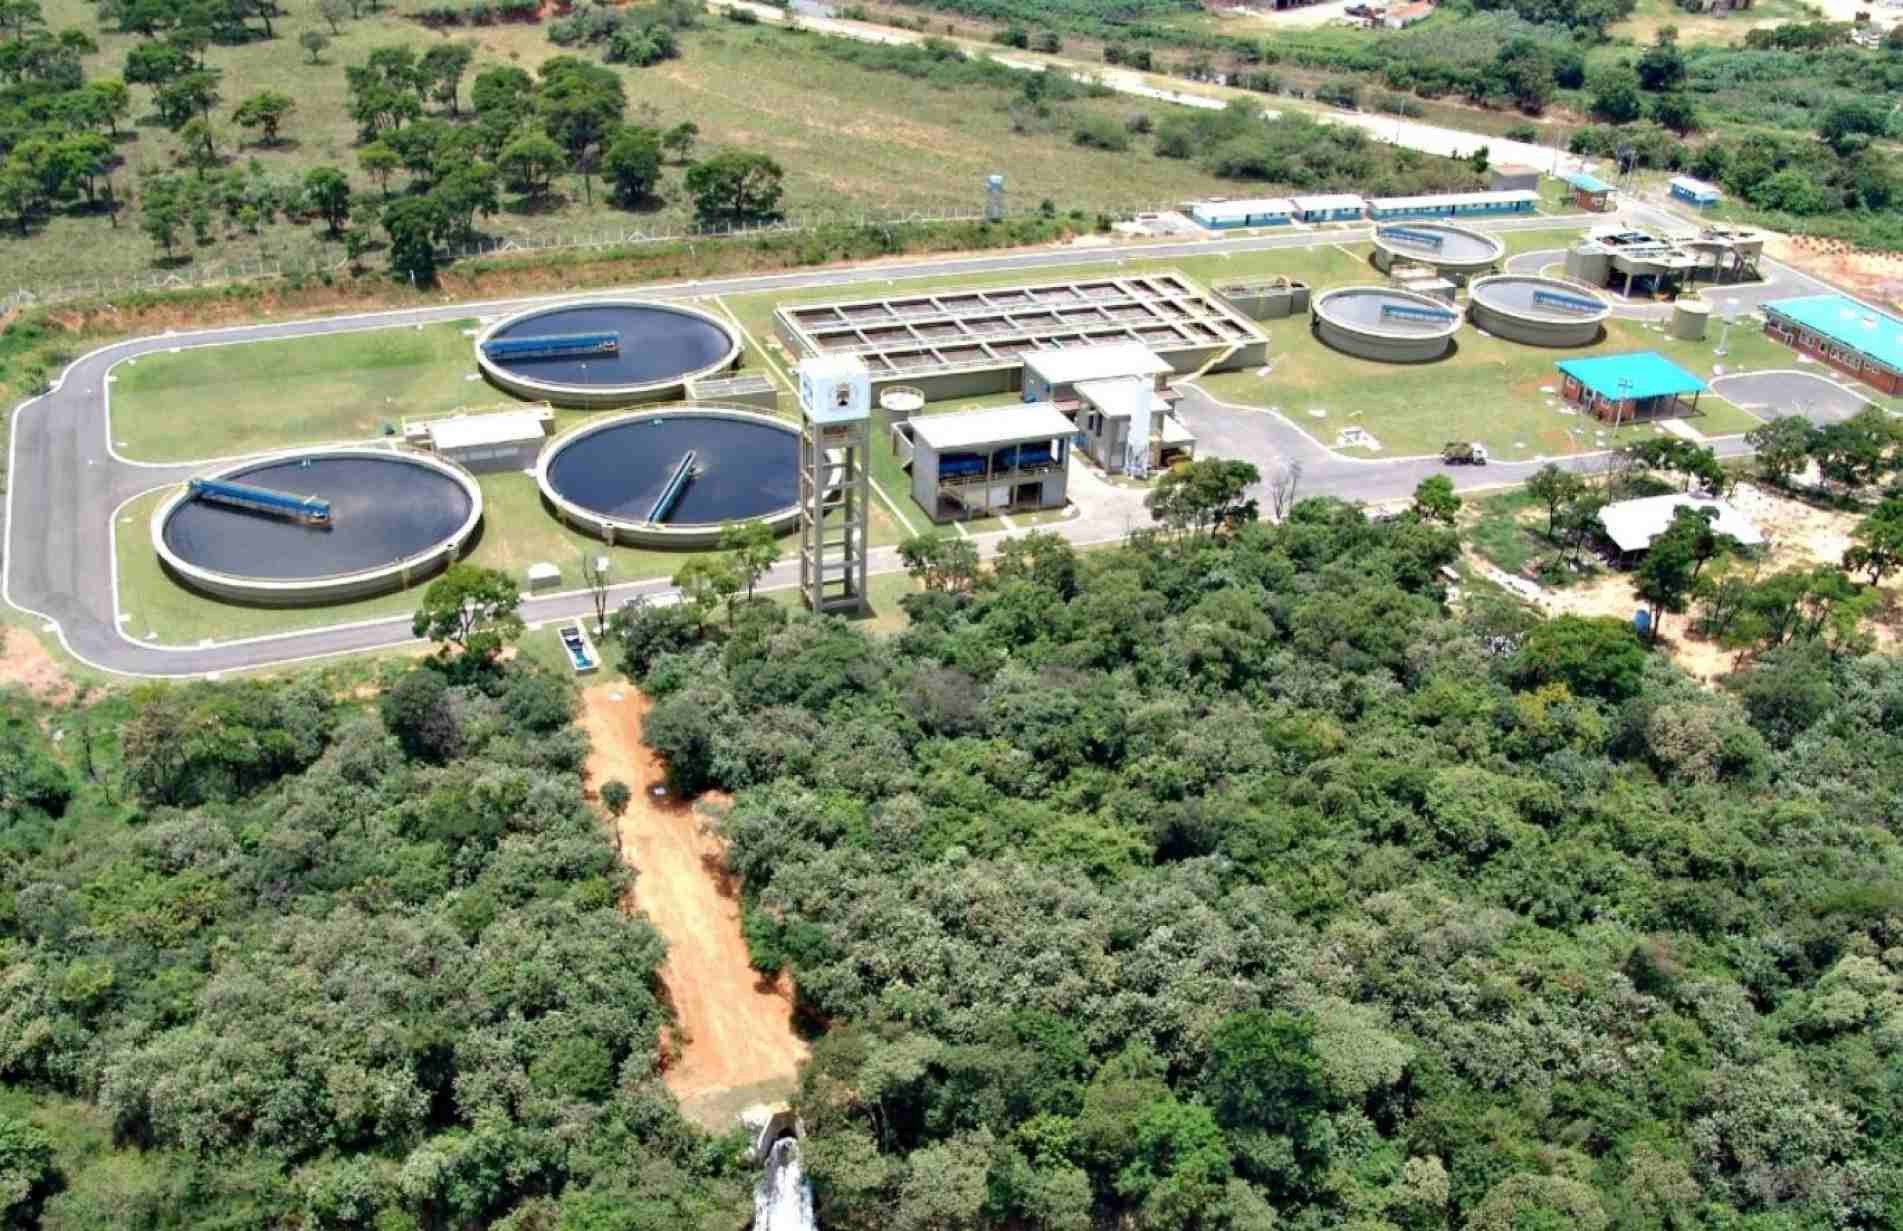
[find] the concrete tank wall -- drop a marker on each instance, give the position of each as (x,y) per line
(1383,349)
(607,397)
(1690,319)
(1591,267)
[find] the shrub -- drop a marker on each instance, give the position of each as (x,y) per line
(1100,133)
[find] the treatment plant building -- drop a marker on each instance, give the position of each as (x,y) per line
(973,341)
(1624,388)
(979,463)
(1862,342)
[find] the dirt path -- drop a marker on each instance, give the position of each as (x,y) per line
(738,1045)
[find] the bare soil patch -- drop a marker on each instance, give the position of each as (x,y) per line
(1873,275)
(26,664)
(1799,536)
(733,1028)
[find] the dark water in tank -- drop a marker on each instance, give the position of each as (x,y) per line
(747,470)
(382,509)
(656,344)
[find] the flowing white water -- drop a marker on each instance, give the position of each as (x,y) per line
(782,1199)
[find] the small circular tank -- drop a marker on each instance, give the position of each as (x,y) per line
(1690,319)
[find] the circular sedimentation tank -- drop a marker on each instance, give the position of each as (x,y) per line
(1537,311)
(1455,252)
(659,349)
(1384,323)
(672,478)
(393,520)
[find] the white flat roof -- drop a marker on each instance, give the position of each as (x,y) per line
(1243,209)
(1696,187)
(1453,198)
(1121,397)
(1174,433)
(992,425)
(1328,200)
(1633,524)
(1074,363)
(505,427)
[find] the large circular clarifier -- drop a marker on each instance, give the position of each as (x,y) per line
(672,478)
(1537,311)
(657,348)
(393,519)
(1454,252)
(1384,323)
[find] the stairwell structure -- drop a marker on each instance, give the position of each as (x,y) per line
(835,481)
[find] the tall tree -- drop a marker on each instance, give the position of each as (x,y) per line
(328,191)
(441,71)
(580,104)
(471,608)
(265,111)
(754,547)
(632,163)
(735,186)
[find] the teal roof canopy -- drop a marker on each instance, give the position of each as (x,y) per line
(1640,374)
(1843,320)
(1585,181)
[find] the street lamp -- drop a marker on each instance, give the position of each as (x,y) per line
(1729,315)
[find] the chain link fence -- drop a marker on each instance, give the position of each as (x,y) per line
(227,273)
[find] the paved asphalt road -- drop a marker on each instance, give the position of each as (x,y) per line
(66,482)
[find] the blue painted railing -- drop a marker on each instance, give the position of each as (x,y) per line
(262,500)
(1419,239)
(1408,312)
(552,345)
(1572,303)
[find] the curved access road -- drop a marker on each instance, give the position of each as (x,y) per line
(66,483)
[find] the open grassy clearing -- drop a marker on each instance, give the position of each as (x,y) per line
(850,138)
(216,401)
(1489,390)
(1649,16)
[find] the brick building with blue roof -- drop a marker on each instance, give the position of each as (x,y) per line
(1623,388)
(1862,342)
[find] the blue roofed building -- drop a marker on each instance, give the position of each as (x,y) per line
(1862,342)
(1637,385)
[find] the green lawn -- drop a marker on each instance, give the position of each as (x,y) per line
(1489,390)
(217,401)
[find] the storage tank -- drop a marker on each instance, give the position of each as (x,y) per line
(1690,317)
(1589,263)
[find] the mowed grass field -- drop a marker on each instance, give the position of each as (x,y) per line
(850,139)
(220,401)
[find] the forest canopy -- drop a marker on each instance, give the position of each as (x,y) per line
(1233,878)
